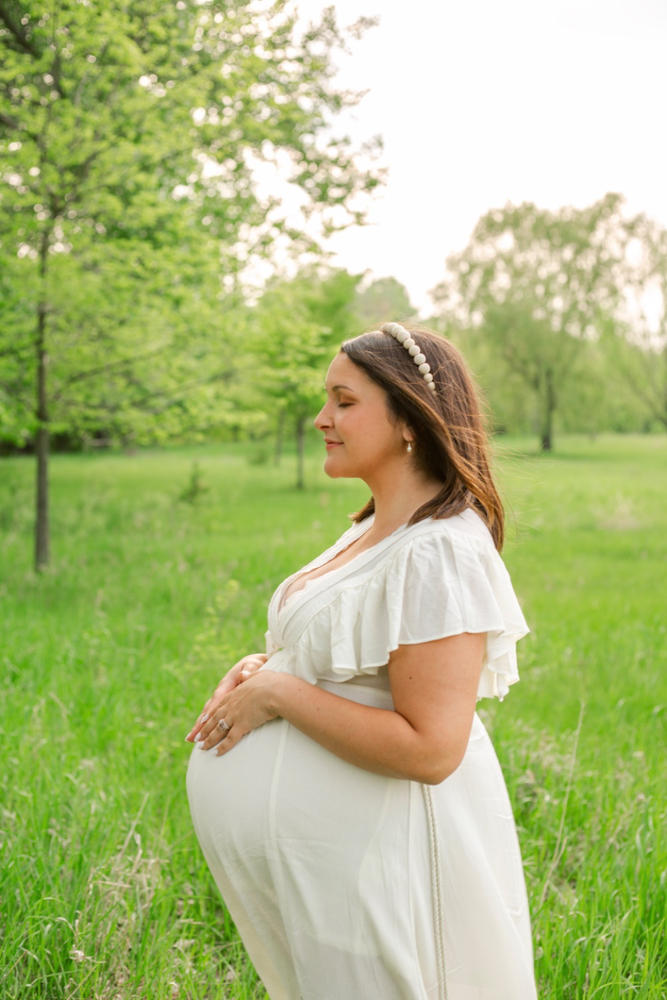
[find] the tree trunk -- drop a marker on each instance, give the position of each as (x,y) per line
(300,441)
(548,409)
(280,430)
(42,442)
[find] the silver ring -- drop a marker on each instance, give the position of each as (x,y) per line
(223,725)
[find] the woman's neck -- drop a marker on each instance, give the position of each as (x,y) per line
(398,497)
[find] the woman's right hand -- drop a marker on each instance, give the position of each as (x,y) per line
(240,672)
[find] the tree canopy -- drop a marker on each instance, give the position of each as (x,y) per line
(539,288)
(129,142)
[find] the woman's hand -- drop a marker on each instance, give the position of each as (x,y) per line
(239,711)
(239,673)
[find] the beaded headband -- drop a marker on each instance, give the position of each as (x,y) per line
(405,339)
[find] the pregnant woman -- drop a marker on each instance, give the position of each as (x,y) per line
(344,792)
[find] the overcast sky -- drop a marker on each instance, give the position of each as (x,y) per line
(481,102)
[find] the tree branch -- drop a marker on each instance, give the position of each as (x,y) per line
(15,352)
(10,16)
(9,122)
(108,367)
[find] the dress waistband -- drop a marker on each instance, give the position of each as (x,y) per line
(363,694)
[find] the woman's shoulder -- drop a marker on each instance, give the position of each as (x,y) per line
(468,522)
(425,541)
(461,530)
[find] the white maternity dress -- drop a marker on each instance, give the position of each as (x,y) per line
(346,885)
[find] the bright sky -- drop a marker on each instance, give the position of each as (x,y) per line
(481,102)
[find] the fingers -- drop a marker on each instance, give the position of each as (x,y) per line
(234,735)
(218,732)
(227,684)
(241,671)
(215,730)
(214,726)
(251,664)
(210,708)
(192,735)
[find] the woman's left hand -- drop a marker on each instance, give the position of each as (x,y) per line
(243,709)
(240,672)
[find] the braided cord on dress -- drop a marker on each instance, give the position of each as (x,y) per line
(436,888)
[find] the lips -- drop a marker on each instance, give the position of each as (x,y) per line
(331,444)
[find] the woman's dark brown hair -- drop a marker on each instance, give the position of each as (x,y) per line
(451,443)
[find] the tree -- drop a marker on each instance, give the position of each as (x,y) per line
(298,326)
(129,140)
(383,301)
(636,337)
(538,285)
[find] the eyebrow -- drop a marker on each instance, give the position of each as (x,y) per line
(335,388)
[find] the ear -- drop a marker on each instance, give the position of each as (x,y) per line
(406,432)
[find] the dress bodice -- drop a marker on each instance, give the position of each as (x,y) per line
(426,581)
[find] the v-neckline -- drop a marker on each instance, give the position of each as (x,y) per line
(284,603)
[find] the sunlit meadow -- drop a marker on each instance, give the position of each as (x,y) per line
(163,563)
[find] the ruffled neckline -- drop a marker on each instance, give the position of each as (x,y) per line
(347,539)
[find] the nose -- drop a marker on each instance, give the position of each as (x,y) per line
(323,419)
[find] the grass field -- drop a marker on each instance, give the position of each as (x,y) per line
(108,656)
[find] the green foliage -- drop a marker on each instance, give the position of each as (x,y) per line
(636,338)
(383,301)
(539,293)
(296,328)
(127,148)
(108,657)
(129,142)
(195,488)
(210,646)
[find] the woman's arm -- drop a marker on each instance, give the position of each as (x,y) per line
(434,689)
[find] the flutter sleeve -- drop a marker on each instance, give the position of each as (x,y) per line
(450,583)
(440,583)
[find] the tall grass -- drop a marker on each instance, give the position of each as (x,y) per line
(160,580)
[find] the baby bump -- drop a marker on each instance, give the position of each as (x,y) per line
(277,785)
(229,794)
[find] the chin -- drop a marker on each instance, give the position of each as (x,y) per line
(333,470)
(331,473)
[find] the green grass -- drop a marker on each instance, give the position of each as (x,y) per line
(107,657)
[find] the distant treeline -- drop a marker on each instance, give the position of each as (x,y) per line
(542,364)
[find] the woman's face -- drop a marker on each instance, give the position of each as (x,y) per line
(362,437)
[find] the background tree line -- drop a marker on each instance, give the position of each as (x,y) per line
(129,140)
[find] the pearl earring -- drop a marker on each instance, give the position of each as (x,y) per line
(409,447)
